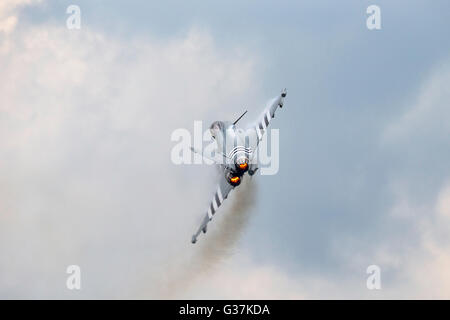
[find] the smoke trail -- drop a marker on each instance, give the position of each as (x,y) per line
(221,243)
(218,243)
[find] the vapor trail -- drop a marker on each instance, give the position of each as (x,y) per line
(218,243)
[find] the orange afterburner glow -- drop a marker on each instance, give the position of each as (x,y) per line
(243,166)
(235,180)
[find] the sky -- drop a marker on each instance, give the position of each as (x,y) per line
(86,178)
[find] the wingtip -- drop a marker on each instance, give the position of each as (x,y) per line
(194,239)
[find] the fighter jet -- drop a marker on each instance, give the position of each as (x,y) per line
(235,154)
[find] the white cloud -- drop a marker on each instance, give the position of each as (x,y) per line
(86,176)
(429,115)
(423,268)
(443,203)
(412,247)
(419,135)
(8,24)
(8,13)
(244,279)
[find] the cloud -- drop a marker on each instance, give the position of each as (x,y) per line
(86,176)
(443,202)
(421,267)
(427,117)
(416,258)
(411,245)
(8,13)
(245,279)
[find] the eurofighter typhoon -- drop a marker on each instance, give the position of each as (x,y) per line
(235,154)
